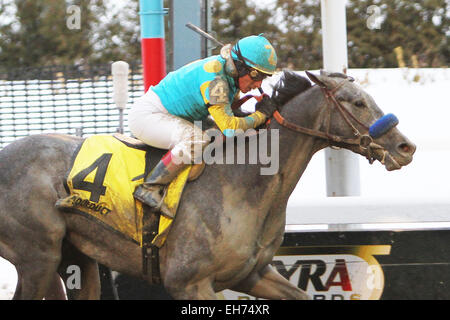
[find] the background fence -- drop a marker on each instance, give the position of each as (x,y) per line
(65,99)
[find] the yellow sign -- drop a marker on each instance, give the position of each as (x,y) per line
(331,272)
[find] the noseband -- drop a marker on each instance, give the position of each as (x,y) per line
(364,141)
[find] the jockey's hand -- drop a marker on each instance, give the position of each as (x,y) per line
(259,98)
(266,106)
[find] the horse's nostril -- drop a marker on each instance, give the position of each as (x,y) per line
(406,148)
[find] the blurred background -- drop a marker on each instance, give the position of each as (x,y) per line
(398,51)
(34,33)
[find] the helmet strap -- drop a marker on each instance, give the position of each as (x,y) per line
(241,58)
(242,68)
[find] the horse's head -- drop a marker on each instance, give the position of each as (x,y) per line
(358,121)
(350,118)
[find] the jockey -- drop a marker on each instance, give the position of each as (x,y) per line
(163,117)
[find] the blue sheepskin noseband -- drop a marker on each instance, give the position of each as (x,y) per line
(383,125)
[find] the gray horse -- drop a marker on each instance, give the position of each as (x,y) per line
(230,221)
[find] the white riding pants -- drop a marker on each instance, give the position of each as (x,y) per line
(150,122)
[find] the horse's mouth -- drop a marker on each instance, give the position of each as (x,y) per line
(391,162)
(393,157)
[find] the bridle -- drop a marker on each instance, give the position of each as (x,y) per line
(364,140)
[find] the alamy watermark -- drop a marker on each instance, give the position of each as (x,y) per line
(375,19)
(73,20)
(245,147)
(73,281)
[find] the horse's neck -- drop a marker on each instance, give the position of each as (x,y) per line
(296,149)
(268,195)
(250,197)
(292,151)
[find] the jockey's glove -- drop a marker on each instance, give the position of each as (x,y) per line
(266,106)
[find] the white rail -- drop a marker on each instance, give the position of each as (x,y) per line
(368,214)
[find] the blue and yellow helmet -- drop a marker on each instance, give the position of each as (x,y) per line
(256,52)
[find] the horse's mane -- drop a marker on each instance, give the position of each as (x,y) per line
(289,85)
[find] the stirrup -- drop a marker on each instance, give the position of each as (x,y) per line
(147,196)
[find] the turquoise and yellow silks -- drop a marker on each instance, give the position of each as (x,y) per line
(189,93)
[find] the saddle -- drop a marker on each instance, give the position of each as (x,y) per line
(104,172)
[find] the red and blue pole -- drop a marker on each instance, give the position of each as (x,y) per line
(152,41)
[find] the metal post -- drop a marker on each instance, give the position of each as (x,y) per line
(79,132)
(119,70)
(206,20)
(152,41)
(342,166)
(188,46)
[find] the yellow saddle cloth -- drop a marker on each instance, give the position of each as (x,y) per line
(101,183)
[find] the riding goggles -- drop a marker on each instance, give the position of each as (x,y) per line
(256,75)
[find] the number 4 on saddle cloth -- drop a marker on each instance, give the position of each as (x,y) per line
(105,171)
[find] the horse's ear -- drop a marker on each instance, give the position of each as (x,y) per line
(336,75)
(315,79)
(321,80)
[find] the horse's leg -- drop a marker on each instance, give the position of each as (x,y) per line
(56,290)
(201,290)
(31,228)
(36,275)
(89,281)
(18,291)
(39,259)
(269,284)
(32,234)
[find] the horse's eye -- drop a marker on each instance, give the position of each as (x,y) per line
(359,104)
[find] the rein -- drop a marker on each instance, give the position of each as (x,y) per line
(365,141)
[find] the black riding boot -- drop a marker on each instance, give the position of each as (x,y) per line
(151,192)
